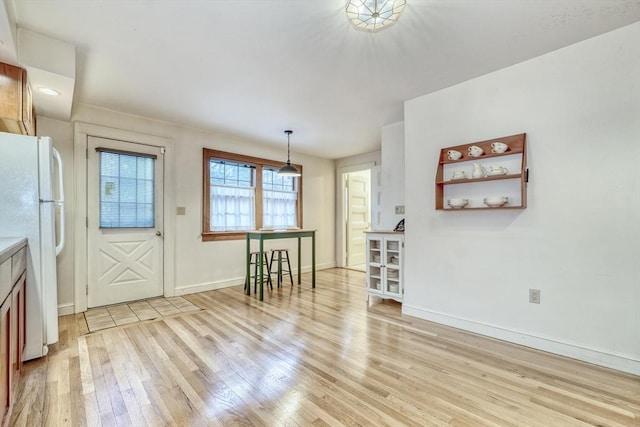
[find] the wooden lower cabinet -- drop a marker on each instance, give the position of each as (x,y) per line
(18,330)
(13,318)
(5,358)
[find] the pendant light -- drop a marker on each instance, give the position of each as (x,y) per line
(288,169)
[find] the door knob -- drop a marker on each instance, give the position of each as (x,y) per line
(158,233)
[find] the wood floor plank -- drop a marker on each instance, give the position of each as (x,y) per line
(310,357)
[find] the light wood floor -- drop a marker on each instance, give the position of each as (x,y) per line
(310,358)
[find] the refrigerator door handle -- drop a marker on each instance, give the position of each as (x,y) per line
(60,202)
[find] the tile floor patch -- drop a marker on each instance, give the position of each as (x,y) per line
(124,314)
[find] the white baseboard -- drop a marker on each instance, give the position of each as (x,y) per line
(65,309)
(208,286)
(324,266)
(211,286)
(551,345)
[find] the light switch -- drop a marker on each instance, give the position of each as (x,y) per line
(181,210)
(400,210)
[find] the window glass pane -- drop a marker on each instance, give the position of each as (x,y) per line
(231,172)
(108,214)
(126,191)
(245,175)
(144,216)
(287,183)
(145,168)
(217,172)
(109,164)
(128,167)
(127,217)
(267,178)
(145,191)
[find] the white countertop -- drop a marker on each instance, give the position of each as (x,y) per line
(9,246)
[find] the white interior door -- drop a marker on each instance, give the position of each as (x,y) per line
(358,188)
(124,221)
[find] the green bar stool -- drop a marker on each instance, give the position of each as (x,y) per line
(254,260)
(280,255)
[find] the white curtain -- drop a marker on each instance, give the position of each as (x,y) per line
(232,208)
(280,209)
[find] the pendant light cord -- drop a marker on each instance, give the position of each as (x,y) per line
(288,132)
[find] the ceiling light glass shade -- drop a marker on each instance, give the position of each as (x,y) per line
(374,15)
(288,169)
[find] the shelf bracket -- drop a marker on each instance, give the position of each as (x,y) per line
(526,175)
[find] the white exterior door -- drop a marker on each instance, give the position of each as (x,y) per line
(124,221)
(358,221)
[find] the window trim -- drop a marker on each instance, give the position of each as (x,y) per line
(259,164)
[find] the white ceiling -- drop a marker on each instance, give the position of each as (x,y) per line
(253,68)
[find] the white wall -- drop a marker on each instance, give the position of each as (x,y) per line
(202,265)
(392,175)
(579,239)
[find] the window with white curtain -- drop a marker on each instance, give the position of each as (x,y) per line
(233,196)
(244,193)
(279,200)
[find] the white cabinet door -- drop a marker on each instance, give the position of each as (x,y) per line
(392,270)
(375,276)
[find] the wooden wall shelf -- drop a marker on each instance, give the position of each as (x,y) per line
(512,185)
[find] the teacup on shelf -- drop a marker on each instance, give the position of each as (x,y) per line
(499,147)
(453,155)
(475,151)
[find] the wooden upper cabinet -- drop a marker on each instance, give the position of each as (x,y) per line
(16,103)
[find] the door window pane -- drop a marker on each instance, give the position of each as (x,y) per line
(126,191)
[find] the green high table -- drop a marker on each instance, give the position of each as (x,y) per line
(262,235)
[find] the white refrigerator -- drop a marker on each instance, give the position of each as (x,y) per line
(28,205)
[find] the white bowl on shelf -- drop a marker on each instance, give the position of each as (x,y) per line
(496,201)
(458,202)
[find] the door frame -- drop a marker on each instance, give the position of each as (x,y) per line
(341,242)
(82,131)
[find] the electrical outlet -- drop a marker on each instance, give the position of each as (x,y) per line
(400,210)
(534,296)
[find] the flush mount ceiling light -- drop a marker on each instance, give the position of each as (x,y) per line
(374,15)
(48,91)
(288,169)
